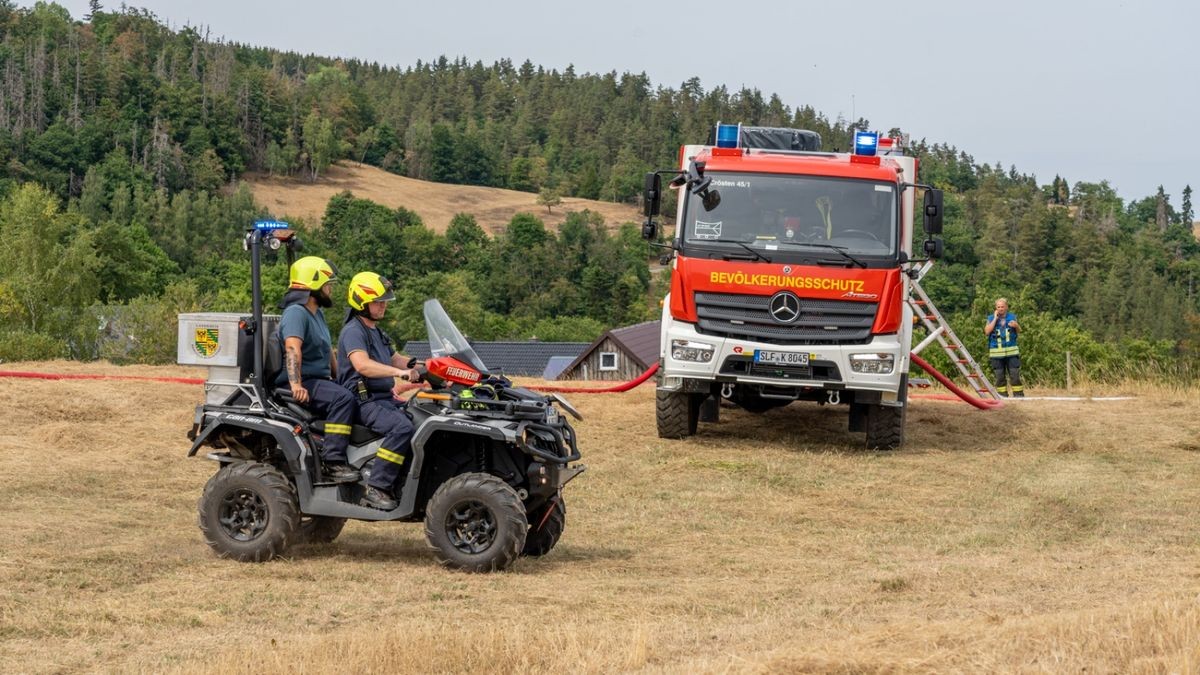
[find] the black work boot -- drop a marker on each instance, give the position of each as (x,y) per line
(341,472)
(378,499)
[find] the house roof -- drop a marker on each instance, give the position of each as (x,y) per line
(639,341)
(556,366)
(510,358)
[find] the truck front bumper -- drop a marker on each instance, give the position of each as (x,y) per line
(733,361)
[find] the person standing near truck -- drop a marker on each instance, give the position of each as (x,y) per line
(1002,329)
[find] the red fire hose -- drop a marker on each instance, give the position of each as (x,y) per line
(62,376)
(982,404)
(618,388)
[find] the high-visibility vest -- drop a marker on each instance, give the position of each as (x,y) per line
(1003,340)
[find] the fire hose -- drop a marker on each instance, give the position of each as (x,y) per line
(622,387)
(982,404)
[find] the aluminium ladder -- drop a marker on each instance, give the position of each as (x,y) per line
(941,332)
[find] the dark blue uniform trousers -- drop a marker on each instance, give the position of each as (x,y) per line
(386,417)
(336,405)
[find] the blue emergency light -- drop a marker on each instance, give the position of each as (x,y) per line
(728,135)
(267,225)
(865,143)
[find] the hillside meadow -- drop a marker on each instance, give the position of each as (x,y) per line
(1048,536)
(435,203)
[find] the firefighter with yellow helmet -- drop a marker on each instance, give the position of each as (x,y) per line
(372,371)
(309,369)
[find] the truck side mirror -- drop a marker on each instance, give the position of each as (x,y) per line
(652,196)
(933,211)
(934,248)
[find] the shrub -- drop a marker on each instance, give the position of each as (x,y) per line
(146,329)
(20,345)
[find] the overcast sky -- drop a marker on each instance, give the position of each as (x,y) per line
(1091,90)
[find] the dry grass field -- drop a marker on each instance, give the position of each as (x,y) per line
(1044,537)
(436,203)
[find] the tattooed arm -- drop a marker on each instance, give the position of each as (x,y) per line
(292,347)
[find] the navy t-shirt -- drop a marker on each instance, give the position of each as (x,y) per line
(356,337)
(297,321)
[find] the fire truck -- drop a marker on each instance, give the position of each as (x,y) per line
(790,277)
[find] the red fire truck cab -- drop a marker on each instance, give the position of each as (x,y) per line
(789,278)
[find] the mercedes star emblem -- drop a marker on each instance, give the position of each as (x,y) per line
(784,307)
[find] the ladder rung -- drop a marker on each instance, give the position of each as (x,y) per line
(930,317)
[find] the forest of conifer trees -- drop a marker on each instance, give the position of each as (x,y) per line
(123,142)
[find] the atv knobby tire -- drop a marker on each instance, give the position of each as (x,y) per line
(885,427)
(319,529)
(249,512)
(475,522)
(676,413)
(546,526)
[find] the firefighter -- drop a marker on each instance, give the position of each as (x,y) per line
(309,370)
(371,370)
(1002,329)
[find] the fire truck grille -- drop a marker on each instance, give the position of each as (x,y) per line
(821,322)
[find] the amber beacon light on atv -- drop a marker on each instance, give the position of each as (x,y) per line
(489,459)
(792,269)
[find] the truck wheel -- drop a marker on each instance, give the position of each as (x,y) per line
(475,522)
(885,427)
(249,512)
(676,413)
(545,528)
(319,529)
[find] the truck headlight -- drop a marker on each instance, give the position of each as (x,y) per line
(689,350)
(873,364)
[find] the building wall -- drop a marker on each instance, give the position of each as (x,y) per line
(589,368)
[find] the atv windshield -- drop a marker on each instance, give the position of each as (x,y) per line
(786,218)
(446,340)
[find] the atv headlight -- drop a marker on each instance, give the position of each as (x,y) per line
(873,364)
(690,350)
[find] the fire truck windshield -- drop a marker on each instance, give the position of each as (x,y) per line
(795,217)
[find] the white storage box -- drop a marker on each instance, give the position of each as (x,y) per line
(208,339)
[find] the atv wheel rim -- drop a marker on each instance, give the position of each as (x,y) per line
(243,515)
(471,526)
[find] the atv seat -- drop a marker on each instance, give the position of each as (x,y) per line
(359,435)
(272,364)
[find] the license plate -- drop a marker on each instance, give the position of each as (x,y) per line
(780,358)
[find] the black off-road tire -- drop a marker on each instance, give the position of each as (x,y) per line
(546,526)
(319,529)
(676,413)
(249,512)
(885,427)
(475,522)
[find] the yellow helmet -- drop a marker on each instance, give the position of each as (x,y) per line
(368,287)
(312,272)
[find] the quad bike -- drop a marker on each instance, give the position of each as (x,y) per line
(489,460)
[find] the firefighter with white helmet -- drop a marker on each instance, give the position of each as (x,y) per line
(309,371)
(372,371)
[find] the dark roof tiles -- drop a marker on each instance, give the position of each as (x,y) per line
(510,358)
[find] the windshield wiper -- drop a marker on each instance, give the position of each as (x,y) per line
(840,249)
(757,254)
